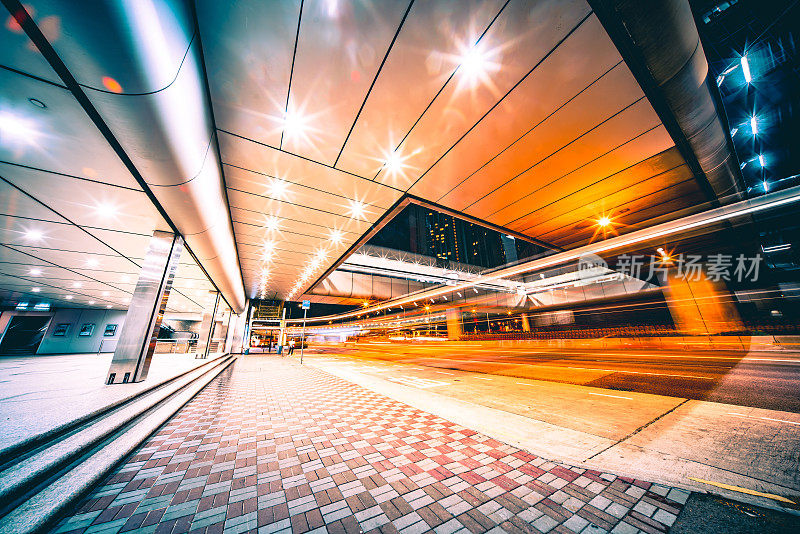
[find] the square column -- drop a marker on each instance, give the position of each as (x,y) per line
(137,341)
(207,327)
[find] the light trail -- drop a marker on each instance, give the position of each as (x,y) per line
(706,218)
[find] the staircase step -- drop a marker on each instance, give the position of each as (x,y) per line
(42,485)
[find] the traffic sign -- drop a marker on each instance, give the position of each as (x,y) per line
(306,304)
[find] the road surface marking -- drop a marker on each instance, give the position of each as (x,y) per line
(524,384)
(628,372)
(443,372)
(605,395)
(418,382)
(482,378)
(744,490)
(766,418)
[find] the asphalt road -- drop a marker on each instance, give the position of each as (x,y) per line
(769,380)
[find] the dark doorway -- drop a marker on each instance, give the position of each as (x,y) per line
(24,334)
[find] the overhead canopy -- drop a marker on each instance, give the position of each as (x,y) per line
(275,135)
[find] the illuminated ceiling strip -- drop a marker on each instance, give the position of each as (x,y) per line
(738,209)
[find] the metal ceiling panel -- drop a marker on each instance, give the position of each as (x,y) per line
(16,231)
(522,113)
(340,48)
(427,51)
(522,35)
(248,47)
(290,168)
(98,205)
(19,204)
(617,169)
(59,137)
(549,166)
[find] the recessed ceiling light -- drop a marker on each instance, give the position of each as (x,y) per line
(77,284)
(106,210)
(336,236)
(272,223)
(294,125)
(35,272)
(108,307)
(34,235)
(91,302)
(356,209)
(68,297)
(475,64)
(91,262)
(15,128)
(278,188)
(36,289)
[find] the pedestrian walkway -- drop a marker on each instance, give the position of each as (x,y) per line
(271,446)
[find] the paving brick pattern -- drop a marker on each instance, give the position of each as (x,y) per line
(270,446)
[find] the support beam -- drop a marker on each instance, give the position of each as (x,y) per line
(207,327)
(137,341)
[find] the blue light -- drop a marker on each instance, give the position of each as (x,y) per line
(766,186)
(761,159)
(746,69)
(754,125)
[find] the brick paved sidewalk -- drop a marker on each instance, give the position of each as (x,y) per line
(272,446)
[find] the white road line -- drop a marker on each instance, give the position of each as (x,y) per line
(481,378)
(613,396)
(628,372)
(765,418)
(418,382)
(524,384)
(443,373)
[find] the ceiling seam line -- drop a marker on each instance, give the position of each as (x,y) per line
(304,158)
(517,140)
(69,221)
(148,93)
(286,219)
(615,192)
(33,76)
(293,203)
(12,247)
(444,86)
(291,71)
(71,176)
(635,137)
(519,82)
(35,34)
(218,152)
(285,180)
(651,206)
(550,155)
(54,287)
(374,80)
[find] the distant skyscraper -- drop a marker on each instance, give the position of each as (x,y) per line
(431,233)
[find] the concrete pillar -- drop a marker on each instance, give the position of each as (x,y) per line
(207,327)
(453,316)
(137,341)
(701,307)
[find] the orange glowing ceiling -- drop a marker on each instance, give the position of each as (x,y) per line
(520,114)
